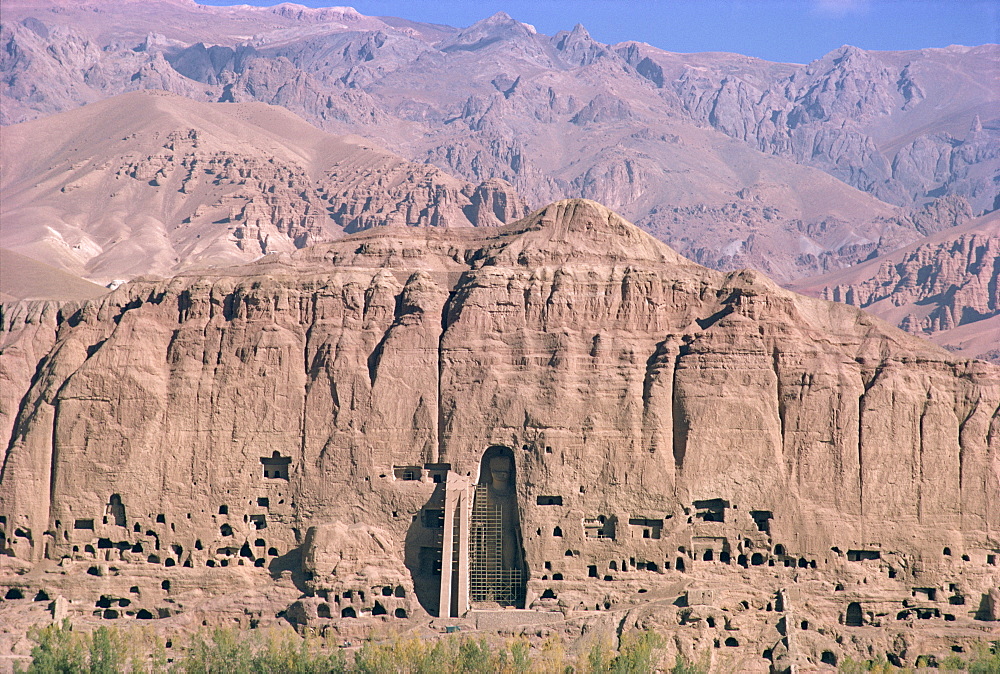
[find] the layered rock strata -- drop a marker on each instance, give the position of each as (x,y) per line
(771,479)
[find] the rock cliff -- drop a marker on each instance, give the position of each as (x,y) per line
(775,480)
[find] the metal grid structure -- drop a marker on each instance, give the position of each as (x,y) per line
(488,580)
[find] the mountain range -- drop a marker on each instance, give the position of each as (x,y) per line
(794,170)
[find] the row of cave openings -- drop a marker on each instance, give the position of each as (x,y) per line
(351,603)
(255,554)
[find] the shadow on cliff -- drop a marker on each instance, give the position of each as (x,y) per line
(290,562)
(422,551)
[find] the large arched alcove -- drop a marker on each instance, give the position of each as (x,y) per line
(497,572)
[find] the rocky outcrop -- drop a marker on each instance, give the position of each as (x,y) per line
(905,127)
(697,452)
(944,288)
(174,183)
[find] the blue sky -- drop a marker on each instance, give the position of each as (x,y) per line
(778,30)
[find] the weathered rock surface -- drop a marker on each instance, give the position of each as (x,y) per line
(944,288)
(149,183)
(773,479)
(903,126)
(629,125)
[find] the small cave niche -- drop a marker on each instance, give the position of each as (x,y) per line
(276,466)
(14,593)
(854,616)
(549,500)
(762,518)
(405,473)
(599,527)
(645,527)
(379,609)
(828,658)
(323,611)
(83,525)
(863,555)
(116,510)
(400,613)
(711,510)
(348,612)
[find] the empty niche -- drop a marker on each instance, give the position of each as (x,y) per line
(84,524)
(643,527)
(438,471)
(323,611)
(400,613)
(406,473)
(276,466)
(348,612)
(263,502)
(862,555)
(711,510)
(116,510)
(599,527)
(259,521)
(762,518)
(557,532)
(854,616)
(549,500)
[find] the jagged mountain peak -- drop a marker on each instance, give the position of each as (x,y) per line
(490,30)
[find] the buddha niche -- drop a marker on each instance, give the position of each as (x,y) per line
(496,564)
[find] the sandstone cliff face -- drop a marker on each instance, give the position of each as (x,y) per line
(674,430)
